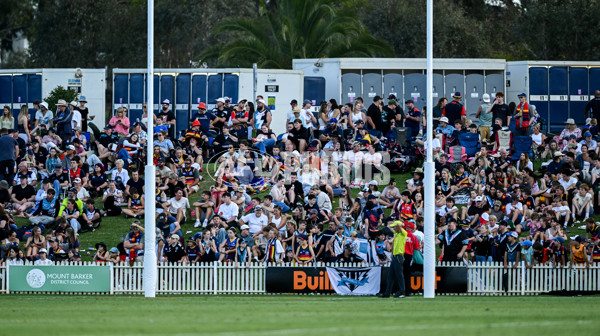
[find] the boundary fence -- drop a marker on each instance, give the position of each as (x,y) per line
(222,278)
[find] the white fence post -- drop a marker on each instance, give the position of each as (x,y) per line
(215,277)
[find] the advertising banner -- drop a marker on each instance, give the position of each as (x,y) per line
(59,278)
(355,281)
(317,280)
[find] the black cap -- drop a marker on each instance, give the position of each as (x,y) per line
(294,101)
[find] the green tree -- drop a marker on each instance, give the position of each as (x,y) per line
(295,29)
(402,24)
(57,93)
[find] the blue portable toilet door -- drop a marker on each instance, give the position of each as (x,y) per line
(594,81)
(5,91)
(415,89)
(351,89)
(34,92)
(120,92)
(372,86)
(473,95)
(393,85)
(215,88)
(182,103)
(314,89)
(231,88)
(538,92)
(136,97)
(559,96)
(578,93)
(199,91)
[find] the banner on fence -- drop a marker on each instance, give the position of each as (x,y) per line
(317,280)
(59,278)
(355,281)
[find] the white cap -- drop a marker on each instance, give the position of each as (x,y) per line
(486,98)
(222,100)
(244,227)
(44,104)
(77,180)
(43,250)
(478,199)
(444,119)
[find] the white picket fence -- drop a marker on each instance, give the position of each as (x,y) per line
(494,279)
(216,278)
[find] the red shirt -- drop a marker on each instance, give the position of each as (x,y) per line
(412,243)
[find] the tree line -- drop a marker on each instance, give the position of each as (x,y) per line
(192,33)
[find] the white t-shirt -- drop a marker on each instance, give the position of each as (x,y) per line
(76,120)
(255,223)
(228,211)
(374,158)
(43,262)
(566,184)
(175,205)
(509,207)
(353,157)
(83,194)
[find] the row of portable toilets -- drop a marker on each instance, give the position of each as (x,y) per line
(18,90)
(559,90)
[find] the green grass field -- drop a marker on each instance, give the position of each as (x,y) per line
(297,315)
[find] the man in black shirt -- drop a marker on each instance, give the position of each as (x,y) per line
(347,256)
(500,109)
(294,188)
(592,109)
(168,117)
(40,154)
(174,252)
(454,242)
(107,138)
(299,135)
(23,195)
(219,116)
(224,140)
(135,182)
(475,211)
(374,119)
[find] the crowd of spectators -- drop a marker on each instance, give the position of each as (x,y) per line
(288,197)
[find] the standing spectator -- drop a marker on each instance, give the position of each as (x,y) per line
(168,118)
(413,118)
(85,113)
(412,245)
(500,109)
(396,272)
(438,111)
(523,114)
(43,116)
(374,119)
(63,120)
(23,124)
(76,120)
(173,251)
(8,155)
(484,113)
(454,242)
(7,121)
(455,110)
(592,109)
(134,244)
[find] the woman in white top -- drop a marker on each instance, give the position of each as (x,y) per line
(309,177)
(538,138)
(278,219)
(23,121)
(119,171)
(323,116)
(356,115)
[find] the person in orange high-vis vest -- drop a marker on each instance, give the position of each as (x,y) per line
(522,115)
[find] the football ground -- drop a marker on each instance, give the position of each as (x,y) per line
(297,315)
